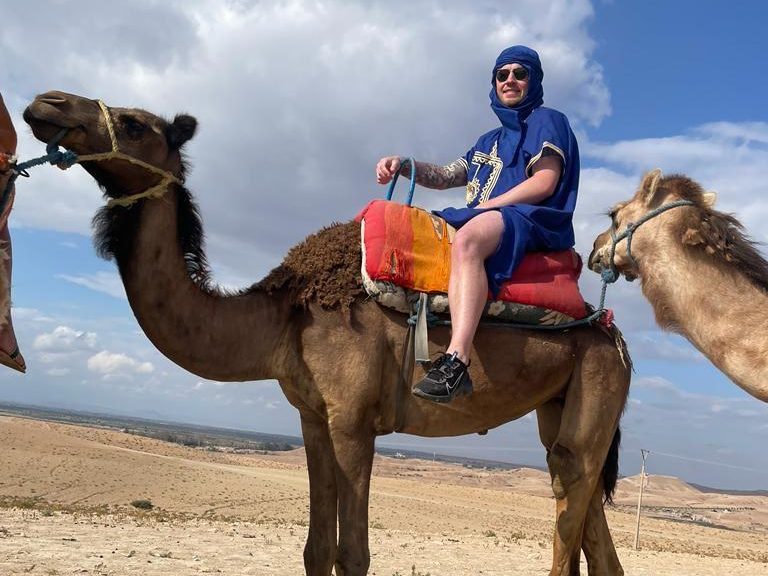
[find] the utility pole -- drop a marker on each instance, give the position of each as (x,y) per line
(644,454)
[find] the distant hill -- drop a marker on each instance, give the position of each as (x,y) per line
(710,490)
(461,460)
(177,432)
(197,435)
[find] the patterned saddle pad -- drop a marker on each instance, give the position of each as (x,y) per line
(407,250)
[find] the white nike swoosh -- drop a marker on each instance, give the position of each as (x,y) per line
(451,388)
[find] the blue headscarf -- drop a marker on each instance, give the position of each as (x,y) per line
(512,118)
(504,157)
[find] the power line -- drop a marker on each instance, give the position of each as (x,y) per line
(712,463)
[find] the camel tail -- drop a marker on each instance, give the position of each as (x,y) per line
(611,468)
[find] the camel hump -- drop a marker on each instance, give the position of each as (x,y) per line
(324,268)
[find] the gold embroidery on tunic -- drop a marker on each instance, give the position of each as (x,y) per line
(478,160)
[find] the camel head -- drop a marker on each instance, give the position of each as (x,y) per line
(655,192)
(155,143)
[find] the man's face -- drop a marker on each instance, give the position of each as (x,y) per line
(511,88)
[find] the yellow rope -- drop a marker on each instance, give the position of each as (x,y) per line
(110,128)
(156,191)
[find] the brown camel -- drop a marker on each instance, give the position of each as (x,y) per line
(702,275)
(335,353)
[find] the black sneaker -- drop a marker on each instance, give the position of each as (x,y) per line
(447,378)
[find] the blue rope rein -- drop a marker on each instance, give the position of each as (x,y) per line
(53,156)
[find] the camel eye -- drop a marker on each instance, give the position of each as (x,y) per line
(613,214)
(133,128)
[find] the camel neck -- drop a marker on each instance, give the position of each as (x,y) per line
(727,322)
(226,338)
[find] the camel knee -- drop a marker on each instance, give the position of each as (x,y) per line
(564,469)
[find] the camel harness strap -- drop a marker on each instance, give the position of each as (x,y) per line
(611,274)
(68,158)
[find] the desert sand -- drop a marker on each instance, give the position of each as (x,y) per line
(66,494)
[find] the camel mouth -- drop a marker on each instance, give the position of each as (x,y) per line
(46,118)
(595,262)
(45,125)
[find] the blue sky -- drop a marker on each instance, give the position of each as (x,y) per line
(673,65)
(297,100)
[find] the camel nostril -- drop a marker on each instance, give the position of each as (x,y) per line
(51,99)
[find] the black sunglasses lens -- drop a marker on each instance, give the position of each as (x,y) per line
(519,74)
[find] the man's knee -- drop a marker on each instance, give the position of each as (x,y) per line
(466,244)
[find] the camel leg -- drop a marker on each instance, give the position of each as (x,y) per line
(320,550)
(353,447)
(577,456)
(549,416)
(597,542)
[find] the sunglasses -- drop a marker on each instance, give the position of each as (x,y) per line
(520,74)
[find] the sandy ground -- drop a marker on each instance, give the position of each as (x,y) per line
(65,494)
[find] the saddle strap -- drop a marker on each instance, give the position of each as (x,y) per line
(406,377)
(420,344)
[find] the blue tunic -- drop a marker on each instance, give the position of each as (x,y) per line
(504,157)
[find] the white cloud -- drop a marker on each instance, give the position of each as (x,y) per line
(105,282)
(654,383)
(663,346)
(31,315)
(661,393)
(58,371)
(203,384)
(730,158)
(64,339)
(743,132)
(110,364)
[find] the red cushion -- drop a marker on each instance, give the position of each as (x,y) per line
(543,279)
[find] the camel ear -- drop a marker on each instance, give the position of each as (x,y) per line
(692,237)
(182,130)
(709,199)
(649,184)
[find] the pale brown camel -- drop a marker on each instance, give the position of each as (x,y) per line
(335,353)
(703,277)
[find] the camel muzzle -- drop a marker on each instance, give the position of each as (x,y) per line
(48,113)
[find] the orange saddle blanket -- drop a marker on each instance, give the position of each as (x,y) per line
(411,247)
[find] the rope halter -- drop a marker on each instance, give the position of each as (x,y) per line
(611,274)
(156,191)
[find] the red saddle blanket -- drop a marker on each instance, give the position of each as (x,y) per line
(411,247)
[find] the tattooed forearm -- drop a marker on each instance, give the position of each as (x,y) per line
(438,177)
